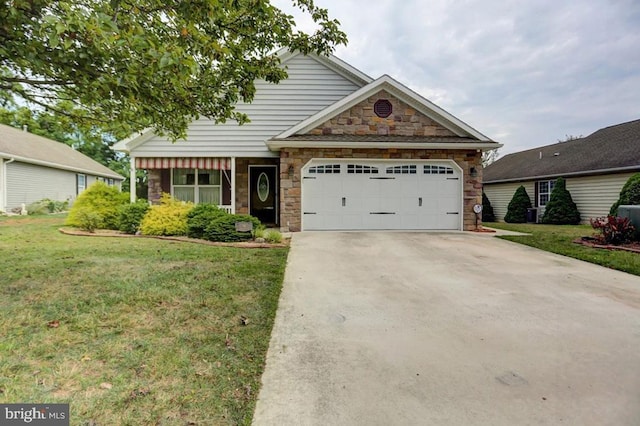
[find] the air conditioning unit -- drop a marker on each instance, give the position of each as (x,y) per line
(631,212)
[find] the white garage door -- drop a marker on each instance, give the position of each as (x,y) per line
(359,194)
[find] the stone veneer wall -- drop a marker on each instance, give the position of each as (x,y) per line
(361,120)
(291,191)
(154,183)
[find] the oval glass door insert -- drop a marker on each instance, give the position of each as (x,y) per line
(263,187)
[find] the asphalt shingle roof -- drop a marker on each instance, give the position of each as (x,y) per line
(27,147)
(610,148)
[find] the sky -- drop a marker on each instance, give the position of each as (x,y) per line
(524,73)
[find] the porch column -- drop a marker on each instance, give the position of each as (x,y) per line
(233,185)
(132,180)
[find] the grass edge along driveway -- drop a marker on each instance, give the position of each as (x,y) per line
(559,239)
(134,331)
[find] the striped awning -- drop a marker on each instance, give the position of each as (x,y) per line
(204,163)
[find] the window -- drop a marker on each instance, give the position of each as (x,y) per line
(101,179)
(360,169)
(112,182)
(197,186)
(402,170)
(327,168)
(437,170)
(81,183)
(544,191)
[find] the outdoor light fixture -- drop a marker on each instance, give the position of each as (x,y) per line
(473,172)
(290,171)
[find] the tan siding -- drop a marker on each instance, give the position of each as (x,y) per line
(310,88)
(27,183)
(594,195)
(500,195)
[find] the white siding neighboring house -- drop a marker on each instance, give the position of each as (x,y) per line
(33,168)
(595,169)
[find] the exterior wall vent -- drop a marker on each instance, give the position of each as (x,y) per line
(382,108)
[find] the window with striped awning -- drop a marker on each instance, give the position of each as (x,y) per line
(204,163)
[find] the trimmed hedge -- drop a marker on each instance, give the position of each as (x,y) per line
(131,216)
(560,209)
(101,199)
(517,209)
(487,209)
(200,217)
(629,195)
(168,218)
(223,228)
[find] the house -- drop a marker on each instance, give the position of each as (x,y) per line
(33,168)
(595,168)
(329,148)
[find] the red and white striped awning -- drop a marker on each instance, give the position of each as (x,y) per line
(204,163)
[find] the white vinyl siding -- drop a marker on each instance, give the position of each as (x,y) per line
(27,183)
(311,87)
(593,195)
(500,195)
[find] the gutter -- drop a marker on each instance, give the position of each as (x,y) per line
(277,144)
(581,173)
(59,166)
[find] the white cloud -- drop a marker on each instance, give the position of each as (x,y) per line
(523,73)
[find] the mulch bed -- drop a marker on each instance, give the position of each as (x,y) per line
(110,233)
(593,243)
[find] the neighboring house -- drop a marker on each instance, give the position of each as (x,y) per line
(33,168)
(595,168)
(328,148)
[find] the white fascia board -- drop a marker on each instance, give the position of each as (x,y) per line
(60,166)
(275,145)
(136,139)
(401,92)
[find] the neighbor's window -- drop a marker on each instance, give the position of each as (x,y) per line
(544,191)
(81,183)
(197,186)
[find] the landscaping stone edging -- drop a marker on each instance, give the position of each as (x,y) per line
(605,246)
(118,234)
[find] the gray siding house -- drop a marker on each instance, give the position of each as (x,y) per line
(33,168)
(327,148)
(595,169)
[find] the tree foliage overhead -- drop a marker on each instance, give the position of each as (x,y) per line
(560,209)
(160,63)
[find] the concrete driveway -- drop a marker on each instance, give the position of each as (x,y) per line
(449,329)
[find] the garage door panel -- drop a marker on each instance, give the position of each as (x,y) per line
(401,195)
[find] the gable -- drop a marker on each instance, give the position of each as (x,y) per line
(313,84)
(361,119)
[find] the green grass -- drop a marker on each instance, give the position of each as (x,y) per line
(150,331)
(559,239)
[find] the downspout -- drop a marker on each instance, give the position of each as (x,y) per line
(3,183)
(132,180)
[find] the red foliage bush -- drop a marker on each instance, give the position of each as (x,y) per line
(614,230)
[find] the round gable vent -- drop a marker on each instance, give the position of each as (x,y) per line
(382,108)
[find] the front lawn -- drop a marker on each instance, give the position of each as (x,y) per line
(559,239)
(133,330)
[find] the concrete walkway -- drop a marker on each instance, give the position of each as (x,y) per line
(449,329)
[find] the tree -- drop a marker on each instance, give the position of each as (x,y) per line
(488,157)
(560,209)
(629,195)
(149,62)
(487,209)
(517,209)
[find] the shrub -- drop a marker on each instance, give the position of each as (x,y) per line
(560,209)
(272,236)
(46,206)
(629,195)
(487,209)
(102,199)
(168,218)
(517,209)
(88,220)
(131,215)
(223,228)
(614,230)
(200,217)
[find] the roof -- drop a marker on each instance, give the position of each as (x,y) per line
(332,62)
(403,93)
(380,141)
(608,150)
(29,148)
